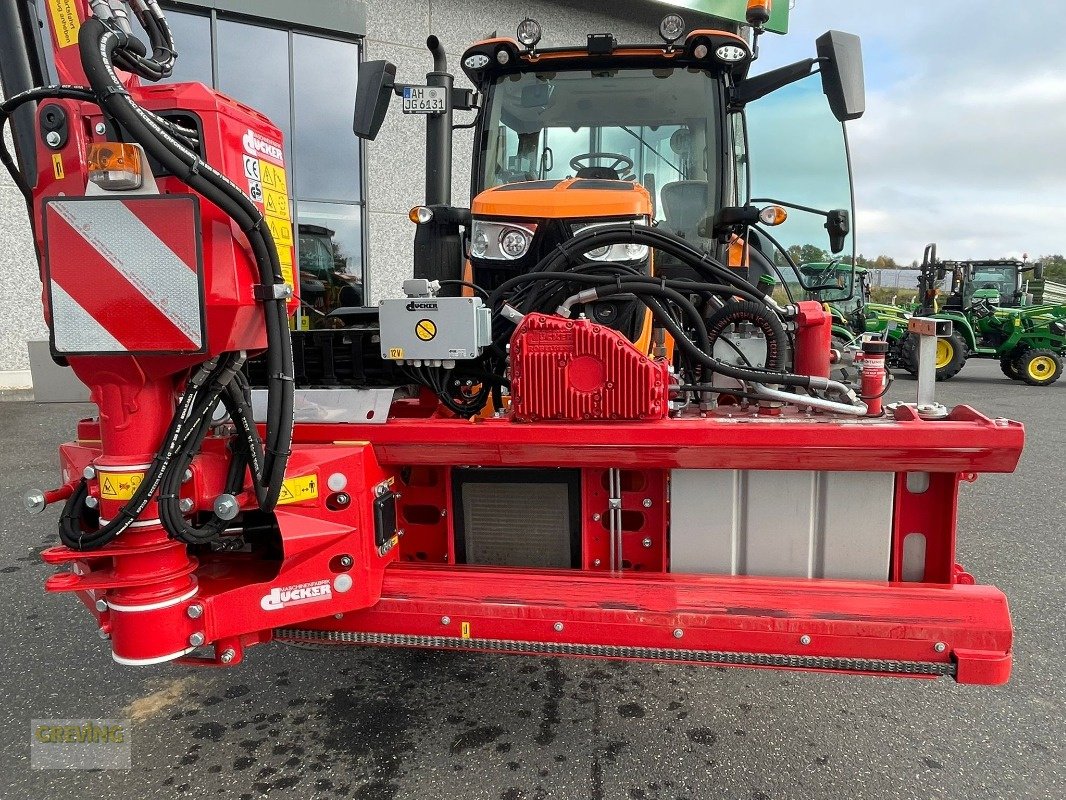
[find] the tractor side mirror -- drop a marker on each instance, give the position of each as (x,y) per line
(840,57)
(1038,272)
(377,79)
(838,224)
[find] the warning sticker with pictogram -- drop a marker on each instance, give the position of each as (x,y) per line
(273,177)
(281,230)
(119,485)
(275,204)
(298,490)
(426,330)
(124,275)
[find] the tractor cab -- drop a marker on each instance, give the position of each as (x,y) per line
(674,135)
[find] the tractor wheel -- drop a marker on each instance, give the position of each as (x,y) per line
(908,354)
(951,354)
(1040,367)
(1008,362)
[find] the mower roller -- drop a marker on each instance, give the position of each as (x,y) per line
(586,428)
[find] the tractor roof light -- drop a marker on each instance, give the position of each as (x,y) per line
(116,166)
(758,12)
(672,28)
(529,32)
(731,53)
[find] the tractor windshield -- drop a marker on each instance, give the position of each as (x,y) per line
(653,126)
(1000,279)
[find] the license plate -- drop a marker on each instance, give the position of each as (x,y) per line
(425,100)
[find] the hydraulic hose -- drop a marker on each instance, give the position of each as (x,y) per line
(98,44)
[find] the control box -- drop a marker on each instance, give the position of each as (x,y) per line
(434,329)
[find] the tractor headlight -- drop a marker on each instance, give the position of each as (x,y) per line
(500,241)
(514,243)
(614,252)
(1059,328)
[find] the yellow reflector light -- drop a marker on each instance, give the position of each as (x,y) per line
(420,215)
(772,215)
(116,166)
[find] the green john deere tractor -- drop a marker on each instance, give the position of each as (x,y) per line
(1029,341)
(853,313)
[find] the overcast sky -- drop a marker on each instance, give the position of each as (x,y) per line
(965,127)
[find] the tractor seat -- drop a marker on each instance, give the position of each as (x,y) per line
(684,207)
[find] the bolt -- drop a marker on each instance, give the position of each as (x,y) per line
(227,655)
(226,506)
(400,532)
(558,626)
(646,541)
(185,505)
(33,501)
(91,502)
(678,633)
(647,502)
(195,612)
(596,563)
(53,138)
(346,562)
(444,512)
(196,639)
(101,605)
(940,647)
(89,472)
(186,476)
(338,616)
(445,620)
(380,489)
(595,517)
(805,640)
(100,128)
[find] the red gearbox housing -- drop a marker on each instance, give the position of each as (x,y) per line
(573,370)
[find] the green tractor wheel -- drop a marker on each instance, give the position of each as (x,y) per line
(1040,367)
(951,352)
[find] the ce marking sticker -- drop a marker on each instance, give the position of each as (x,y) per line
(426,330)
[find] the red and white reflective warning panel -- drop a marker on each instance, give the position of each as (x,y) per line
(125,275)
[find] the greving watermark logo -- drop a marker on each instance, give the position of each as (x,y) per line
(80,744)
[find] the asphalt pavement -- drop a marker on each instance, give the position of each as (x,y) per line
(407,724)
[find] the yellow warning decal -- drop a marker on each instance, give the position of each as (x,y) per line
(57,166)
(396,353)
(65,21)
(119,485)
(285,259)
(273,177)
(275,204)
(298,490)
(464,630)
(281,230)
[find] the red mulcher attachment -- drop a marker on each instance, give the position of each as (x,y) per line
(587,518)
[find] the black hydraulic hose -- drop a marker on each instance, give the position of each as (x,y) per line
(71,533)
(575,248)
(29,96)
(97,43)
(702,357)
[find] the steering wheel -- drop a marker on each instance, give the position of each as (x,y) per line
(621,164)
(982,308)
